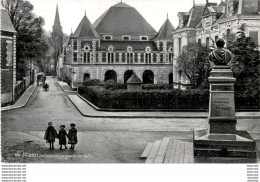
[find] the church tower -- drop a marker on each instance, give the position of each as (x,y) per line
(57,37)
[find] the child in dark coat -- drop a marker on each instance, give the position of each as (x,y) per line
(50,135)
(72,136)
(62,137)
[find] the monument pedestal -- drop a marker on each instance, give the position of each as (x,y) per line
(221,139)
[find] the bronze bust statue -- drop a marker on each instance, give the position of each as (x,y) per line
(220,56)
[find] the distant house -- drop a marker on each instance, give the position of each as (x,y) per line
(206,23)
(8,58)
(120,42)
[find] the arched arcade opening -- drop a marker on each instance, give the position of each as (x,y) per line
(171,78)
(110,75)
(148,77)
(86,77)
(127,75)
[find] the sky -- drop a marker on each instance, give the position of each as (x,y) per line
(72,11)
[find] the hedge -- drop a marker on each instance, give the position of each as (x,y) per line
(157,86)
(157,99)
(112,85)
(145,99)
(91,82)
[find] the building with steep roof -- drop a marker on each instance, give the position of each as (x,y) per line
(206,23)
(8,59)
(119,43)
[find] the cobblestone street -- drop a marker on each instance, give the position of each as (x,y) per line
(101,140)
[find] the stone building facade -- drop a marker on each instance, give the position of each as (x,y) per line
(120,42)
(8,59)
(206,23)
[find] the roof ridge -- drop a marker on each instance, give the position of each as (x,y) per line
(134,79)
(121,5)
(127,20)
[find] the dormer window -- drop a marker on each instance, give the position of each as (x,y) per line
(126,37)
(207,24)
(108,37)
(144,38)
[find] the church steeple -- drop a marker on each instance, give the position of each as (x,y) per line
(57,17)
(57,36)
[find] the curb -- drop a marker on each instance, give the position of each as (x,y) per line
(16,107)
(140,110)
(248,117)
(65,90)
(109,116)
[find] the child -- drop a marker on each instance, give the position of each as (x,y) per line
(72,136)
(50,135)
(62,137)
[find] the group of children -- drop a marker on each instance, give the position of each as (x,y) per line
(51,134)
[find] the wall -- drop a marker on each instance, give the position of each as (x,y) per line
(8,66)
(161,72)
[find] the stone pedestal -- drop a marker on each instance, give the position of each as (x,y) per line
(221,138)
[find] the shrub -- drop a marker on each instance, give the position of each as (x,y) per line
(157,86)
(157,99)
(111,85)
(91,82)
(145,99)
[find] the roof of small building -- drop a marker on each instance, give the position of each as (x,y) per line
(122,45)
(195,16)
(6,24)
(66,41)
(86,30)
(134,80)
(222,3)
(199,25)
(122,19)
(218,9)
(165,32)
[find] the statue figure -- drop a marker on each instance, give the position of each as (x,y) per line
(220,56)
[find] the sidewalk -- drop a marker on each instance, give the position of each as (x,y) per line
(22,100)
(89,111)
(65,87)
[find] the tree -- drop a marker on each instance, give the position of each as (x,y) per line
(245,64)
(193,62)
(31,45)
